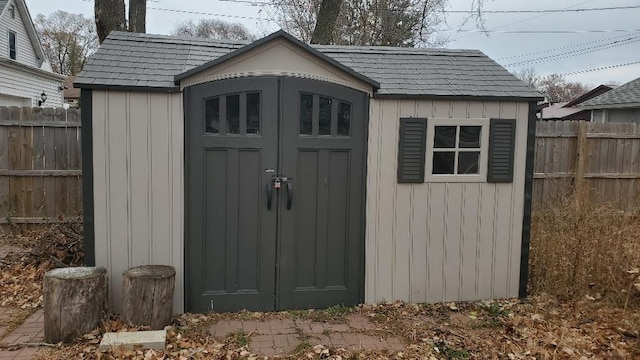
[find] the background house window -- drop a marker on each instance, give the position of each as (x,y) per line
(457,150)
(12,45)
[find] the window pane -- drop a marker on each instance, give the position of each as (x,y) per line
(324,124)
(445,137)
(253,113)
(443,162)
(306,109)
(12,45)
(468,162)
(212,115)
(470,136)
(344,118)
(233,114)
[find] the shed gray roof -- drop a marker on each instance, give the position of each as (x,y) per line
(627,94)
(144,60)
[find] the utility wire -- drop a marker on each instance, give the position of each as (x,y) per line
(260,3)
(200,13)
(545,31)
(602,68)
(578,52)
(562,48)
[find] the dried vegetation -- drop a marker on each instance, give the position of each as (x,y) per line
(582,248)
(22,270)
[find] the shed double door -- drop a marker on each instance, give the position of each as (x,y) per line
(274,194)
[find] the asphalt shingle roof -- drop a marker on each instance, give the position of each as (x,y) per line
(628,93)
(129,59)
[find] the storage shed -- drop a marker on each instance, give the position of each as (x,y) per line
(278,175)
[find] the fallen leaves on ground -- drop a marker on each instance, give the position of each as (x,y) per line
(22,271)
(537,328)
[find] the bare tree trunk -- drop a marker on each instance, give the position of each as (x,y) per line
(326,22)
(137,16)
(109,17)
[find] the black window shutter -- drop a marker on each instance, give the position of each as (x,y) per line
(502,138)
(411,147)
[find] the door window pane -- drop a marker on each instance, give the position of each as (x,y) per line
(344,119)
(212,115)
(443,162)
(253,113)
(470,136)
(233,114)
(324,124)
(306,110)
(445,137)
(468,162)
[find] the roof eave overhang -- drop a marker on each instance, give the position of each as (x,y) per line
(33,70)
(276,35)
(165,89)
(610,106)
(458,97)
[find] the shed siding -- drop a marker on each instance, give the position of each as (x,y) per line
(138,184)
(440,241)
(278,58)
(29,86)
(25,53)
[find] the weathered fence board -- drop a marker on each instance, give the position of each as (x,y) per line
(40,165)
(605,157)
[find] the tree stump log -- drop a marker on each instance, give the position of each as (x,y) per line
(74,301)
(147,295)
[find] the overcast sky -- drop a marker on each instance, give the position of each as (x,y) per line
(592,45)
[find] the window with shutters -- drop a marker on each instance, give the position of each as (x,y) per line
(457,150)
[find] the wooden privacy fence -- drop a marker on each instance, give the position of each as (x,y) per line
(605,157)
(40,165)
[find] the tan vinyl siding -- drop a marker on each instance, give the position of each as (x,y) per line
(440,241)
(138,184)
(277,58)
(25,53)
(27,85)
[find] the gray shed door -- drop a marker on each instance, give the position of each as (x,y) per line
(275,194)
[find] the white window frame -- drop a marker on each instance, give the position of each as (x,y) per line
(483,161)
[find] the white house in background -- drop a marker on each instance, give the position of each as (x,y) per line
(26,78)
(621,104)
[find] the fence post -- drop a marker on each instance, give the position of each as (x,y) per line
(581,161)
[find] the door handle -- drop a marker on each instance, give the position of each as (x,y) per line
(289,194)
(269,195)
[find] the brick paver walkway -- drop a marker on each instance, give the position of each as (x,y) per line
(283,336)
(32,330)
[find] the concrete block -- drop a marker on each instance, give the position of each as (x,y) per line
(135,340)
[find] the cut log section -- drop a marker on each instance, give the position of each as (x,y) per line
(147,295)
(74,301)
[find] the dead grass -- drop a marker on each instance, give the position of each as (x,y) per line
(583,248)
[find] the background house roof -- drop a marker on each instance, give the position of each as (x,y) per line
(144,60)
(627,94)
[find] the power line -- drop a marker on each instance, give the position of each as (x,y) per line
(544,31)
(200,13)
(562,48)
(578,52)
(602,68)
(538,11)
(564,10)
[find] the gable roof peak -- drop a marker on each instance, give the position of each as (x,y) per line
(280,34)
